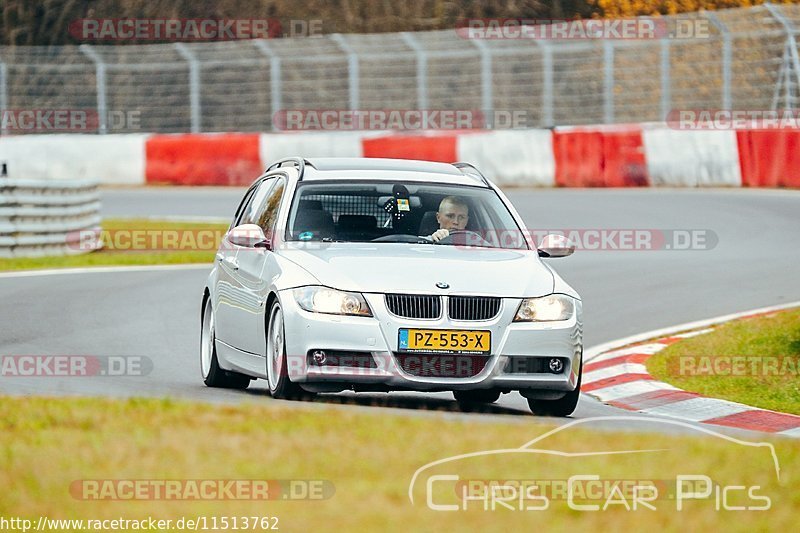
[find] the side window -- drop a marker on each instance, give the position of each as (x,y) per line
(243,205)
(250,213)
(267,213)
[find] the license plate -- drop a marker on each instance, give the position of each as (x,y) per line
(444,340)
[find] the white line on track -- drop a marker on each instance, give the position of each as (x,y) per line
(103,270)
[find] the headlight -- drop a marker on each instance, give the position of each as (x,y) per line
(331,301)
(545,309)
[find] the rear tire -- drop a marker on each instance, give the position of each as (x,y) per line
(280,386)
(473,398)
(564,406)
(213,375)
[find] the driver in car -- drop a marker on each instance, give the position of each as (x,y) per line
(453,215)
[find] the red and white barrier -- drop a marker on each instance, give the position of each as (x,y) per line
(587,156)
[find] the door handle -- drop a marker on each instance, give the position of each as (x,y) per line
(219,257)
(231,262)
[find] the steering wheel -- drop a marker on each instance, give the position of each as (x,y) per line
(411,239)
(464,237)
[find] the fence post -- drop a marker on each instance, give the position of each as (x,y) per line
(487,96)
(352,69)
(791,46)
(194,85)
(100,81)
(666,79)
(608,81)
(547,83)
(3,95)
(726,59)
(275,85)
(422,69)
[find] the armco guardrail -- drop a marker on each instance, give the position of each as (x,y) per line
(45,217)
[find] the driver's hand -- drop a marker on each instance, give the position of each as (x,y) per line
(439,234)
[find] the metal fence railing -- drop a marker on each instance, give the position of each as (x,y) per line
(47,217)
(748,60)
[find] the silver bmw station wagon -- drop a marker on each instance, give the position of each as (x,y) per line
(379,275)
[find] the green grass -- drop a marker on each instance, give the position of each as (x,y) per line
(772,339)
(125,252)
(46,444)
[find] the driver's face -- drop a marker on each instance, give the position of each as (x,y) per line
(452,217)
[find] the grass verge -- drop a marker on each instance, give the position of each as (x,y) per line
(49,444)
(137,242)
(753,361)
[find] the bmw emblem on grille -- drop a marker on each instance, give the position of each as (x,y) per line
(442,285)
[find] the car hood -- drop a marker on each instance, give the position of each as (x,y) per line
(411,268)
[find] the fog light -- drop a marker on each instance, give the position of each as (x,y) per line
(556,365)
(319,357)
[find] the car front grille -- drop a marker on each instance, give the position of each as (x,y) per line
(426,306)
(441,365)
(422,306)
(473,307)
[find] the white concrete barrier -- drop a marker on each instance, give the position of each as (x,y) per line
(511,157)
(274,146)
(108,159)
(680,158)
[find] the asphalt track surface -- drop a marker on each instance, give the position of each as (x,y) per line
(155,314)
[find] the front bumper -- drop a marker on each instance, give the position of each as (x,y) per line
(378,335)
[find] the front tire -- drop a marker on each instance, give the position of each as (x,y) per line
(564,406)
(280,386)
(213,375)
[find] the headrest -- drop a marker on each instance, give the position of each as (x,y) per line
(316,222)
(310,204)
(357,222)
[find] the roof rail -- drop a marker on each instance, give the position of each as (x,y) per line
(298,162)
(469,168)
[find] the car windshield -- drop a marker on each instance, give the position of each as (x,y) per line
(407,212)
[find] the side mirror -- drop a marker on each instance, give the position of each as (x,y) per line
(553,245)
(249,236)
